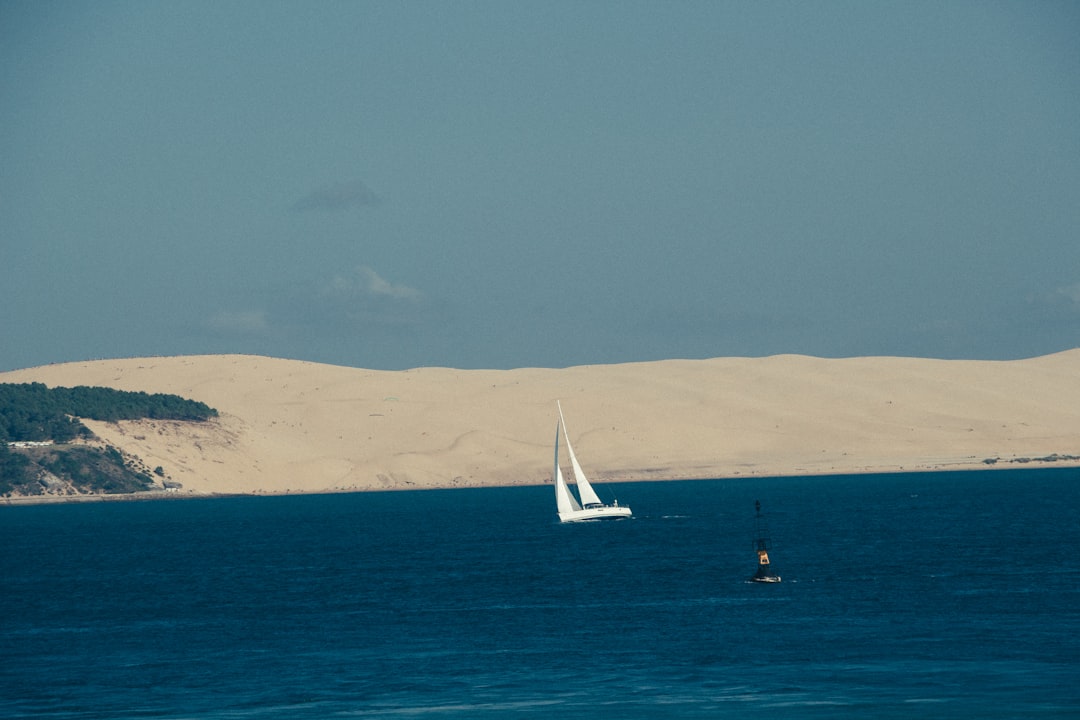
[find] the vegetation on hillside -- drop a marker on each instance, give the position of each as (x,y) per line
(34,413)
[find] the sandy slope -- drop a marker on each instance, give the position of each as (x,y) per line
(290,426)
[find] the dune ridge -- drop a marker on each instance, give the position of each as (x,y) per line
(296,426)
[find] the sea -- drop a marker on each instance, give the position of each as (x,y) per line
(912,595)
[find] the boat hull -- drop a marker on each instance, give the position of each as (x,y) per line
(607,512)
(766,579)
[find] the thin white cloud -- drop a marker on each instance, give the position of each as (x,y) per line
(363,282)
(1070,294)
(337,197)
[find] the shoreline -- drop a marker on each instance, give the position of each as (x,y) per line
(940,469)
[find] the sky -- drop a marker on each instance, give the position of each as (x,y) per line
(503,184)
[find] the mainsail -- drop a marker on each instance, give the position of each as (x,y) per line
(564,500)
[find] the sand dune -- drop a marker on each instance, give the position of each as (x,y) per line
(291,426)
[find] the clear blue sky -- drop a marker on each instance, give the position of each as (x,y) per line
(509,184)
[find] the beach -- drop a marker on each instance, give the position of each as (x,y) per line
(289,426)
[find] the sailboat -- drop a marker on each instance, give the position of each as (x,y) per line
(590,507)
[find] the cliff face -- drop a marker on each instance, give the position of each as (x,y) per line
(290,426)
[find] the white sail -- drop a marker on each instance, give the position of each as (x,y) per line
(564,501)
(585,490)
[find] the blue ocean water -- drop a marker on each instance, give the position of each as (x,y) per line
(908,595)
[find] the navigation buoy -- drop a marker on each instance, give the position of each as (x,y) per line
(764,572)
